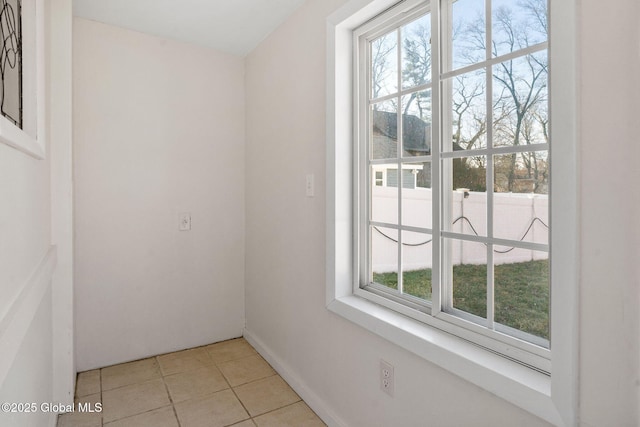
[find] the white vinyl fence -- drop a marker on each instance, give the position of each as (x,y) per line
(517,216)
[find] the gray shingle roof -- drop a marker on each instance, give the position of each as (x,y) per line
(416,135)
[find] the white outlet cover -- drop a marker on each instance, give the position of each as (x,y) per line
(387,378)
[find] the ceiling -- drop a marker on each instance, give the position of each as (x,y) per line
(233,26)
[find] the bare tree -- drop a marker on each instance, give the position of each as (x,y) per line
(537,11)
(381,65)
(520,84)
(535,130)
(469,121)
(416,64)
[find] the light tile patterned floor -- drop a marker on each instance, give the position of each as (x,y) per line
(222,384)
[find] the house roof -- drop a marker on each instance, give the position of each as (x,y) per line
(416,135)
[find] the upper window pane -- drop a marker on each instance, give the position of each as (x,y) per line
(520,112)
(517,25)
(467,203)
(416,52)
(384,65)
(468,34)
(384,130)
(468,111)
(416,124)
(524,216)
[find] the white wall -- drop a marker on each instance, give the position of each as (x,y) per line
(24,219)
(31,310)
(25,332)
(31,376)
(158,130)
(610,250)
(334,362)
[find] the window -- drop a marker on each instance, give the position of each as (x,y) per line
(464,238)
(22,76)
(451,258)
(379,178)
(11,76)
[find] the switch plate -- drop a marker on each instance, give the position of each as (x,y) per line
(310,185)
(184,221)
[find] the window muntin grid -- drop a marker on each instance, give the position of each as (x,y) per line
(390,138)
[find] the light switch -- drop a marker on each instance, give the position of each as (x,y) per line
(185,221)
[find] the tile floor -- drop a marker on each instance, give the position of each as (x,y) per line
(222,384)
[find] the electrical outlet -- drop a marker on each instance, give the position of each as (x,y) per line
(387,379)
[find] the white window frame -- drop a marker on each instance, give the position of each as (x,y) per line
(552,397)
(485,332)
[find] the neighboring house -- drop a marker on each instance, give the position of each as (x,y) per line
(416,142)
(416,135)
(386,175)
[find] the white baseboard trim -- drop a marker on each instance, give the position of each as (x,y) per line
(314,401)
(15,322)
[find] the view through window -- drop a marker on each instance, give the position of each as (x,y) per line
(460,107)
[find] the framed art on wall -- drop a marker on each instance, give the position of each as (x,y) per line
(22,76)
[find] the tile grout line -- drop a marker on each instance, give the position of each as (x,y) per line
(135,383)
(229,384)
(241,403)
(286,406)
(166,387)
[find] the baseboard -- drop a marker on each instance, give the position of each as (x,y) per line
(317,404)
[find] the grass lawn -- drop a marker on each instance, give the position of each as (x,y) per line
(521,292)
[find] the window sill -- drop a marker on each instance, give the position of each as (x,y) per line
(511,381)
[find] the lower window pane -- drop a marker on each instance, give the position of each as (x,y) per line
(468,276)
(522,294)
(416,264)
(384,256)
